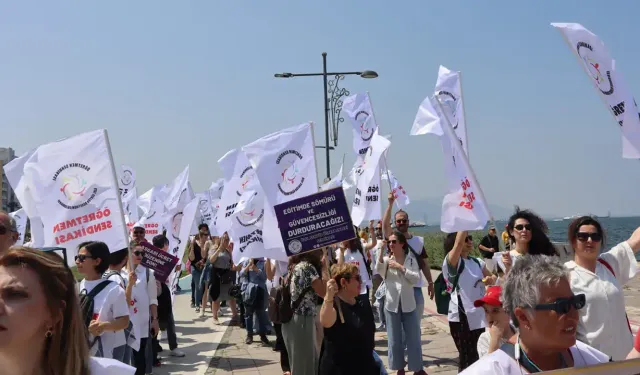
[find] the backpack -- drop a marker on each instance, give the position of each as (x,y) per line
(280,307)
(87,304)
(442,295)
(128,332)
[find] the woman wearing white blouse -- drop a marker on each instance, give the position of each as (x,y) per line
(401,272)
(603,322)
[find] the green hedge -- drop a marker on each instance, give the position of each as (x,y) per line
(433,243)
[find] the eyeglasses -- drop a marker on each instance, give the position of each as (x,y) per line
(380,228)
(138,232)
(81,258)
(563,305)
(523,226)
(469,238)
(402,221)
(584,236)
(138,253)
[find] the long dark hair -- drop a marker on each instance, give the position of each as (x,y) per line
(540,244)
(402,239)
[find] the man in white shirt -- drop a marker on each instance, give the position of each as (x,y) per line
(8,232)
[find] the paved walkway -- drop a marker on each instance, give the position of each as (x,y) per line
(221,350)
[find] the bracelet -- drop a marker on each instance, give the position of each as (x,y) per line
(328,300)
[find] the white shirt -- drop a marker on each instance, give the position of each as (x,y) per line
(417,244)
(108,305)
(500,363)
(105,366)
(143,295)
(120,338)
(485,339)
(603,323)
(354,257)
(471,289)
(400,286)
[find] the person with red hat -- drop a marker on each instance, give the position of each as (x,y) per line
(499,328)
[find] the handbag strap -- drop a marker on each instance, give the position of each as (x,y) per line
(454,284)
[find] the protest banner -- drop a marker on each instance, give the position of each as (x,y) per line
(314,221)
(161,262)
(628,367)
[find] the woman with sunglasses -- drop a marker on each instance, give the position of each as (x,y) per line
(110,311)
(348,326)
(528,233)
(401,272)
(465,277)
(601,277)
(198,256)
(537,296)
(41,328)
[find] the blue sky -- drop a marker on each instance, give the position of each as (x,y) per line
(179,82)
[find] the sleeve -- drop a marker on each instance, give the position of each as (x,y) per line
(152,289)
(483,344)
(412,273)
(623,261)
(119,303)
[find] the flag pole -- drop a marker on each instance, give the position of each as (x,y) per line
(448,128)
(464,113)
(118,198)
(315,160)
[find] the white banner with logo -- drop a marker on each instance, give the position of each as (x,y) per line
(611,87)
(359,111)
(126,179)
(76,192)
(205,211)
(449,90)
(244,224)
(130,207)
(152,205)
(464,206)
(365,176)
(185,223)
(180,194)
(286,168)
(20,217)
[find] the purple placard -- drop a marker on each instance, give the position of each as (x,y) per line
(314,221)
(161,262)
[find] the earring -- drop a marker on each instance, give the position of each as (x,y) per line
(49,333)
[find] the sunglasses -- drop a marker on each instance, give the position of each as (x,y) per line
(393,242)
(523,226)
(379,228)
(402,221)
(469,238)
(81,258)
(4,230)
(138,232)
(584,236)
(563,305)
(138,253)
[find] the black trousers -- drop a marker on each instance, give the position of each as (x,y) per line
(284,355)
(140,357)
(466,341)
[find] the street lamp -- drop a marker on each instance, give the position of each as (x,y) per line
(333,103)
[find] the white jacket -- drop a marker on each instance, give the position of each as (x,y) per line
(400,285)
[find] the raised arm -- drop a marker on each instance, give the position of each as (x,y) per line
(386,218)
(328,311)
(454,255)
(372,235)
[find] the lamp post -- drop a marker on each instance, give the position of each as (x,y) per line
(333,95)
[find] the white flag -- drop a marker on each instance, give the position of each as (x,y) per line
(152,205)
(126,180)
(335,182)
(449,90)
(370,167)
(286,168)
(14,171)
(205,210)
(215,190)
(130,207)
(20,217)
(76,192)
(400,194)
(463,207)
(179,191)
(183,227)
(358,109)
(245,224)
(601,69)
(180,194)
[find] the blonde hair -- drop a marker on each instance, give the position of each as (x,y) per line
(343,271)
(364,235)
(66,352)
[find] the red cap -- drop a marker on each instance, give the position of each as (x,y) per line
(491,297)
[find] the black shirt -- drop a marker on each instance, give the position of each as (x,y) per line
(489,242)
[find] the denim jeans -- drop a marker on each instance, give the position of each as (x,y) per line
(405,325)
(196,274)
(259,309)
